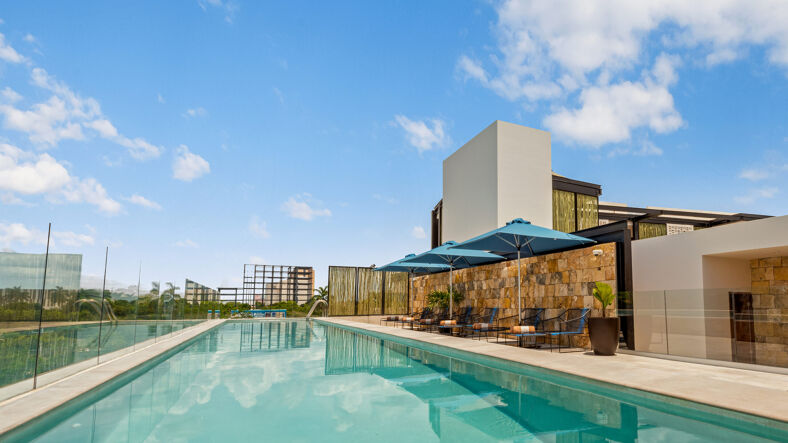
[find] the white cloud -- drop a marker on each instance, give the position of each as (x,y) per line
(72,239)
(228,7)
(421,134)
(418,232)
(756,194)
(195,112)
(189,166)
(279,95)
(160,98)
(10,96)
(301,207)
(649,148)
(27,173)
(186,244)
(389,200)
(90,191)
(65,116)
(549,50)
(609,113)
(144,202)
(18,233)
(258,228)
(8,53)
(754,174)
(30,38)
(8,198)
(255,260)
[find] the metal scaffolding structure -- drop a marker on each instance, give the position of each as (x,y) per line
(269,284)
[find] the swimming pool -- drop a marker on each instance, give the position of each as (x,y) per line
(293,380)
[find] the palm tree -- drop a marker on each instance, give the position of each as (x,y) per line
(154,288)
(321,293)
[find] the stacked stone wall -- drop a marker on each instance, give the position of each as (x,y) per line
(770,305)
(555,282)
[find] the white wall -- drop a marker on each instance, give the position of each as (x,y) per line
(470,203)
(525,180)
(503,173)
(693,272)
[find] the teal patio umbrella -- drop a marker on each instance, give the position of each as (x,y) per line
(412,268)
(519,235)
(454,258)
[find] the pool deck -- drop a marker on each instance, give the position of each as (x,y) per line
(751,392)
(20,409)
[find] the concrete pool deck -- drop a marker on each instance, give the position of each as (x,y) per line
(24,407)
(751,392)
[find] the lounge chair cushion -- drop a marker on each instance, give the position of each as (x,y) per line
(448,322)
(407,318)
(522,329)
(481,326)
(427,321)
(392,318)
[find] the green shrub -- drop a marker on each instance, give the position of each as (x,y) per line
(440,299)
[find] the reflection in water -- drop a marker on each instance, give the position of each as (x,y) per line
(466,398)
(330,384)
(273,335)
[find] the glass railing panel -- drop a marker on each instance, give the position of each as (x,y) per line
(121,294)
(650,326)
(72,312)
(725,324)
(21,284)
(149,309)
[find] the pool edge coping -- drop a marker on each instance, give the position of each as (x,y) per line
(746,408)
(33,404)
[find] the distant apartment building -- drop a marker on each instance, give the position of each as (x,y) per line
(197,293)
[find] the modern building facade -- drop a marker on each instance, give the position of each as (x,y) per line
(692,283)
(505,172)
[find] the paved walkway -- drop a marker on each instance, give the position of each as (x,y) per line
(751,392)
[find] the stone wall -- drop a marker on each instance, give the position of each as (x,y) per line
(553,281)
(770,304)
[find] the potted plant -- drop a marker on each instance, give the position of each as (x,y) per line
(603,331)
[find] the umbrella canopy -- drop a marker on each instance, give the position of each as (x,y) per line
(521,236)
(455,258)
(415,268)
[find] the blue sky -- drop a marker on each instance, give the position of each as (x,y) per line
(196,136)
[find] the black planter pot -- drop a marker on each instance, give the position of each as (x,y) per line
(603,333)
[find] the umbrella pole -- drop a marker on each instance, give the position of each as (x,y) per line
(451,295)
(519,309)
(410,285)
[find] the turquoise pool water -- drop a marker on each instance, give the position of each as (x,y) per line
(292,380)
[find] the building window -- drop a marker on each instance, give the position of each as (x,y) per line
(648,230)
(587,211)
(564,211)
(573,212)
